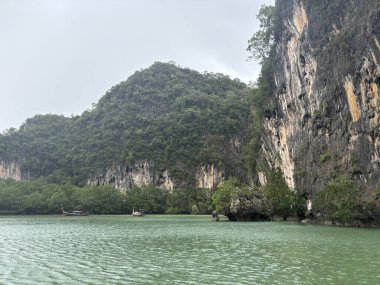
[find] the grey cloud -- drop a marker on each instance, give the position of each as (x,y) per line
(60,56)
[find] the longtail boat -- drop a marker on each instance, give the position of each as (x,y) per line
(75,213)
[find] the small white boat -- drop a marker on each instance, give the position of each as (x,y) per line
(139,213)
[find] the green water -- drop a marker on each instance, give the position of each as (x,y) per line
(182,250)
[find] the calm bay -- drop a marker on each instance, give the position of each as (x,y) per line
(163,249)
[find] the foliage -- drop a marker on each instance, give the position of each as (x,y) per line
(262,48)
(151,199)
(183,200)
(176,117)
(261,43)
(99,200)
(249,203)
(41,197)
(282,199)
(241,202)
(223,196)
(339,200)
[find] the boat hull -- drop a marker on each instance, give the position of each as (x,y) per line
(73,214)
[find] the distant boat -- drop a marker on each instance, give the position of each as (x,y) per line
(74,213)
(139,213)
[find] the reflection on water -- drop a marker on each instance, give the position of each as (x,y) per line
(182,250)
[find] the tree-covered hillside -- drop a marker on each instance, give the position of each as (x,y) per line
(176,117)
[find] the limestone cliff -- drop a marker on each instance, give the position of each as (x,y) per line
(10,169)
(144,173)
(209,176)
(124,177)
(326,117)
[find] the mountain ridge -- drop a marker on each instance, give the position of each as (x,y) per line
(165,115)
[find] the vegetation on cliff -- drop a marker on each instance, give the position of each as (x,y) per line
(323,143)
(347,200)
(342,202)
(243,202)
(176,117)
(261,47)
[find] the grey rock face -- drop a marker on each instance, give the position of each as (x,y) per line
(124,177)
(10,169)
(209,176)
(326,118)
(144,173)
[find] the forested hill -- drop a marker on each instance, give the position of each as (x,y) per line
(175,117)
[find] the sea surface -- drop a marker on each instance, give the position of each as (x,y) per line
(182,250)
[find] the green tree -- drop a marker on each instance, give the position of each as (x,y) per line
(261,43)
(261,47)
(223,196)
(150,198)
(99,200)
(280,196)
(241,202)
(339,200)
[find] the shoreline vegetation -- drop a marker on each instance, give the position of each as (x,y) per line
(273,202)
(41,197)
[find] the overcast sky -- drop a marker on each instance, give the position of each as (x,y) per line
(60,56)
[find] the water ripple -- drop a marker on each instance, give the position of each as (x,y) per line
(182,250)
